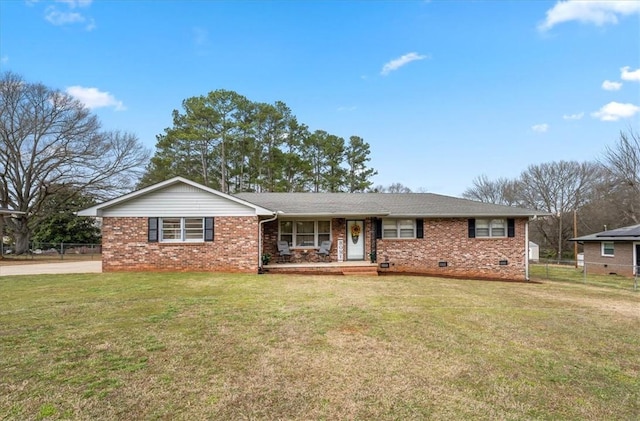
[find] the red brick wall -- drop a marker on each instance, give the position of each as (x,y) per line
(446,240)
(234,249)
(620,263)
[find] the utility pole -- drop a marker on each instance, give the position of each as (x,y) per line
(559,237)
(575,235)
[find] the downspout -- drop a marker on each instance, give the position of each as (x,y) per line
(275,216)
(526,247)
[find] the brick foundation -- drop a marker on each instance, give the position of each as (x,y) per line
(621,263)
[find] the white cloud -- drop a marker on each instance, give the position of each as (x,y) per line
(608,85)
(576,116)
(69,15)
(540,128)
(76,3)
(597,12)
(633,75)
(93,98)
(4,59)
(614,111)
(58,18)
(200,36)
(91,25)
(397,63)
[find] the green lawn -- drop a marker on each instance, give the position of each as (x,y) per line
(206,346)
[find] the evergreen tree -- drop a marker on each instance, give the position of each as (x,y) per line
(227,142)
(357,156)
(62,225)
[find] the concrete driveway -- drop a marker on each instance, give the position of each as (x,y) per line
(45,268)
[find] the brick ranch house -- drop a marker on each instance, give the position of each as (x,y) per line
(614,251)
(180,225)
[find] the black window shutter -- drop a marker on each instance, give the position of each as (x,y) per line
(511,227)
(472,228)
(208,229)
(378,228)
(152,230)
(419,228)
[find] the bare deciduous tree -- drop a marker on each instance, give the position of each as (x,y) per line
(558,188)
(50,141)
(392,188)
(622,163)
(501,191)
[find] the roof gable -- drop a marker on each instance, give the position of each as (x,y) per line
(175,197)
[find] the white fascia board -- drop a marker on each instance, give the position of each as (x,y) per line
(97,210)
(330,215)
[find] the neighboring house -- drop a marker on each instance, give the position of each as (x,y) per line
(181,225)
(613,251)
(534,252)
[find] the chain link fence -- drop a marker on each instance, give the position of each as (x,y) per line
(54,251)
(615,275)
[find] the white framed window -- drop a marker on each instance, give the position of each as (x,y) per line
(181,230)
(304,233)
(398,228)
(608,248)
(491,228)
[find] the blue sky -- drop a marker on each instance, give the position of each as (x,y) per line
(443,91)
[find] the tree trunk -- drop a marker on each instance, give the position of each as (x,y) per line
(22,237)
(1,237)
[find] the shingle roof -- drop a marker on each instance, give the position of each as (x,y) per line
(631,233)
(380,204)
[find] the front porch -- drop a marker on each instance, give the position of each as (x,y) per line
(324,268)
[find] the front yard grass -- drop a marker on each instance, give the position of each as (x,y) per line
(214,346)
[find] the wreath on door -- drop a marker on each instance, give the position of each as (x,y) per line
(355,232)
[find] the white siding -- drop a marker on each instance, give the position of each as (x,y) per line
(178,200)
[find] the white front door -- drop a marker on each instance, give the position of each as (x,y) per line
(355,240)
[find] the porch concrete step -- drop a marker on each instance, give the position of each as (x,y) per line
(360,270)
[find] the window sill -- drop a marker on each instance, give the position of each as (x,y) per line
(398,238)
(492,238)
(182,243)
